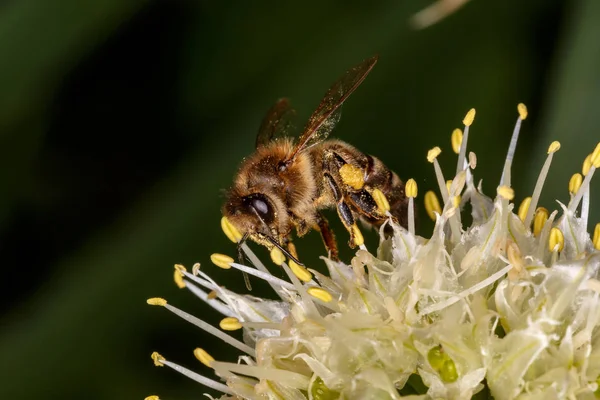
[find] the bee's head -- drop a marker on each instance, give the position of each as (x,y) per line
(254,213)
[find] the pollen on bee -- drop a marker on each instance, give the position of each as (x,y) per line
(352,176)
(359,240)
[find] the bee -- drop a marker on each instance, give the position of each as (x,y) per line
(285,184)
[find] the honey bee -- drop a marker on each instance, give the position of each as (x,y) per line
(285,184)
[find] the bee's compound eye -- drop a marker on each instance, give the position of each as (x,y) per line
(261,205)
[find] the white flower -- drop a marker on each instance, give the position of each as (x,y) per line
(511,303)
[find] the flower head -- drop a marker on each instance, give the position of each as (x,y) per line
(511,302)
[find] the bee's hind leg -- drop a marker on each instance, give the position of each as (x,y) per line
(344,212)
(328,237)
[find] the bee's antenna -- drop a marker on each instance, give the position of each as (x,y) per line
(242,259)
(283,250)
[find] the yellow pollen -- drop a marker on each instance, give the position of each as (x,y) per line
(178,278)
(196,269)
(541,216)
(277,256)
(596,239)
(221,260)
(587,164)
(522,109)
(575,183)
(556,241)
(411,188)
(300,272)
(381,200)
(595,159)
(506,192)
(158,359)
(157,301)
(433,154)
(320,293)
(524,207)
(456,140)
(230,231)
(230,324)
(448,185)
(358,237)
(554,147)
(202,356)
(352,176)
(153,397)
(180,268)
(432,204)
(468,120)
(456,201)
(472,160)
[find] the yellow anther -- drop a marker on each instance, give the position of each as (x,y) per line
(596,239)
(359,240)
(158,359)
(230,324)
(595,158)
(522,109)
(556,241)
(448,185)
(178,278)
(153,397)
(352,176)
(433,154)
(523,208)
(506,192)
(212,295)
(411,188)
(301,273)
(541,216)
(554,147)
(202,356)
(157,301)
(196,269)
(456,140)
(587,164)
(320,293)
(468,120)
(277,256)
(381,200)
(180,268)
(432,204)
(472,160)
(230,231)
(221,260)
(575,183)
(456,201)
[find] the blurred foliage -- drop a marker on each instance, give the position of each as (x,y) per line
(120,123)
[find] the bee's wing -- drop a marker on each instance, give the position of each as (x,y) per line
(327,115)
(277,123)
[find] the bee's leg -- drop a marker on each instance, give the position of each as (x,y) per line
(328,237)
(367,205)
(343,209)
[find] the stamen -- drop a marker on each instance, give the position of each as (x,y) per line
(287,378)
(456,140)
(156,301)
(190,374)
(277,256)
(300,272)
(195,269)
(468,121)
(259,265)
(587,164)
(202,356)
(411,192)
(230,324)
(472,160)
(596,239)
(524,207)
(267,276)
(512,147)
(506,192)
(556,241)
(359,240)
(381,200)
(152,397)
(320,294)
(432,205)
(432,158)
(539,185)
(221,260)
(178,278)
(589,167)
(230,231)
(541,216)
(575,183)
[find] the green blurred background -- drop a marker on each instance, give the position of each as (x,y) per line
(122,121)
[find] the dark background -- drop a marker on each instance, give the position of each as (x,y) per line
(122,121)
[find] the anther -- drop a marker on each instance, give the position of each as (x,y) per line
(157,301)
(523,208)
(158,359)
(221,260)
(556,241)
(320,294)
(178,278)
(456,140)
(595,158)
(381,200)
(411,188)
(153,397)
(432,204)
(202,356)
(575,183)
(472,160)
(554,147)
(541,216)
(196,269)
(230,324)
(596,239)
(587,164)
(230,231)
(448,185)
(433,154)
(506,192)
(468,120)
(300,272)
(522,109)
(277,256)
